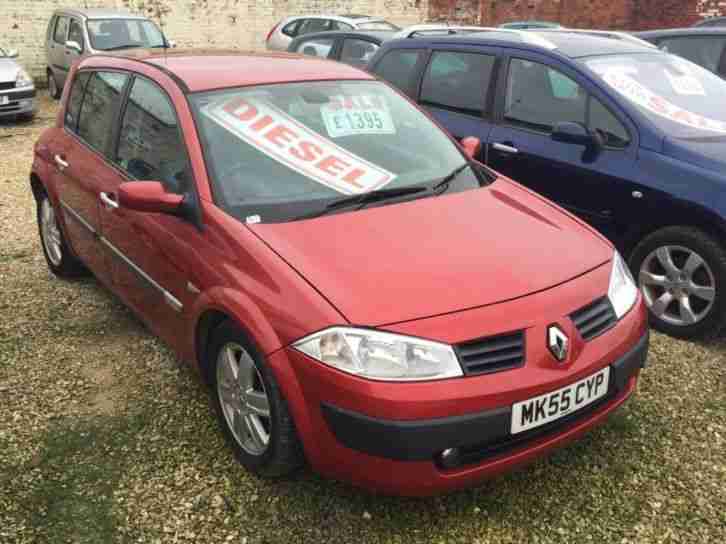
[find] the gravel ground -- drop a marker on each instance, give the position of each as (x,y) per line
(104,438)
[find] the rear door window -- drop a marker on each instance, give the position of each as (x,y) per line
(61,30)
(538,97)
(397,67)
(150,143)
(99,109)
(458,81)
(357,52)
(340,25)
(314,25)
(76,99)
(706,51)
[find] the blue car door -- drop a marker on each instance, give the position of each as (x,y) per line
(535,94)
(457,88)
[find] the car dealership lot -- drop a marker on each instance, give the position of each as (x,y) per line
(104,437)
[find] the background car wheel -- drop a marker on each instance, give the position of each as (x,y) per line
(58,255)
(682,273)
(251,410)
(53,89)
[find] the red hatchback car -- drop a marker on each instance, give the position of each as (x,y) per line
(357,292)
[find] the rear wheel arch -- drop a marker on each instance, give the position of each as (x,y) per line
(37,186)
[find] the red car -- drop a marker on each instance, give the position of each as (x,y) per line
(358,293)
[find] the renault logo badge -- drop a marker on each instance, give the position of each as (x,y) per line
(557,342)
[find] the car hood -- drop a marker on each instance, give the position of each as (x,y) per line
(437,255)
(8,70)
(707,152)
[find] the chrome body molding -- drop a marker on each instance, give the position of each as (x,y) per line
(170,299)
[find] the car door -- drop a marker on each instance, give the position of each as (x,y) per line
(57,47)
(146,249)
(706,51)
(532,98)
(456,88)
(81,155)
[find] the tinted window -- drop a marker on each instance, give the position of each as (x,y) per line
(100,106)
(76,33)
(397,68)
(339,25)
(75,100)
(61,30)
(150,145)
(290,29)
(457,81)
(703,50)
(606,124)
(357,52)
(317,47)
(538,97)
(314,25)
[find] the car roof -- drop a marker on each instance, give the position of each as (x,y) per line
(202,70)
(675,32)
(355,19)
(378,35)
(571,43)
(99,13)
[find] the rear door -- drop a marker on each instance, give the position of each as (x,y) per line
(456,89)
(532,98)
(147,249)
(82,154)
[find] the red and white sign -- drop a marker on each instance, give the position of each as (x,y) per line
(644,97)
(291,143)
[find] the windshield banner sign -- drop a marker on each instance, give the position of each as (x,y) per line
(291,143)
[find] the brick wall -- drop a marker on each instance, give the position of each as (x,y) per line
(245,23)
(191,23)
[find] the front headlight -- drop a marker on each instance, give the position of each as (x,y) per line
(623,292)
(23,79)
(381,355)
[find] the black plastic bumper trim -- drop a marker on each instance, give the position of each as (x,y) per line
(422,440)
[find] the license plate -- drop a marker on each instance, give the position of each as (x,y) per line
(4,100)
(537,411)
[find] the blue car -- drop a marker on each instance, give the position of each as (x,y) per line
(629,138)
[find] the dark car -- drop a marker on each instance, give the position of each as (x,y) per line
(711,22)
(704,46)
(352,47)
(630,138)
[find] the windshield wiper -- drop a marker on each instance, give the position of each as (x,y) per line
(124,46)
(364,199)
(443,185)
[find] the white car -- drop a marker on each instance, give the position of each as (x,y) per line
(279,38)
(17,90)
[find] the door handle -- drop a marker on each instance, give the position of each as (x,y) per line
(60,162)
(109,201)
(504,148)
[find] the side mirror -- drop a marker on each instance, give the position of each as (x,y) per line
(171,44)
(148,196)
(472,146)
(12,53)
(572,133)
(73,45)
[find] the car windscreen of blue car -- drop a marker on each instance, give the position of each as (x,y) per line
(681,98)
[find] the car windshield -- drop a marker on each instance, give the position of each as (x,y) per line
(113,34)
(280,152)
(377,25)
(680,97)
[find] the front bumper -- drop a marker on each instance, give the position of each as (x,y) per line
(19,102)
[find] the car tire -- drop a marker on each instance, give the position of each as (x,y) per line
(249,405)
(675,264)
(58,254)
(53,89)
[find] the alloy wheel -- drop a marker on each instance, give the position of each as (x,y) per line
(678,285)
(243,398)
(51,234)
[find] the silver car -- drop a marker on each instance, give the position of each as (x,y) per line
(279,38)
(17,91)
(74,33)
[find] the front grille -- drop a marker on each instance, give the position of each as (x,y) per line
(492,354)
(5,85)
(594,319)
